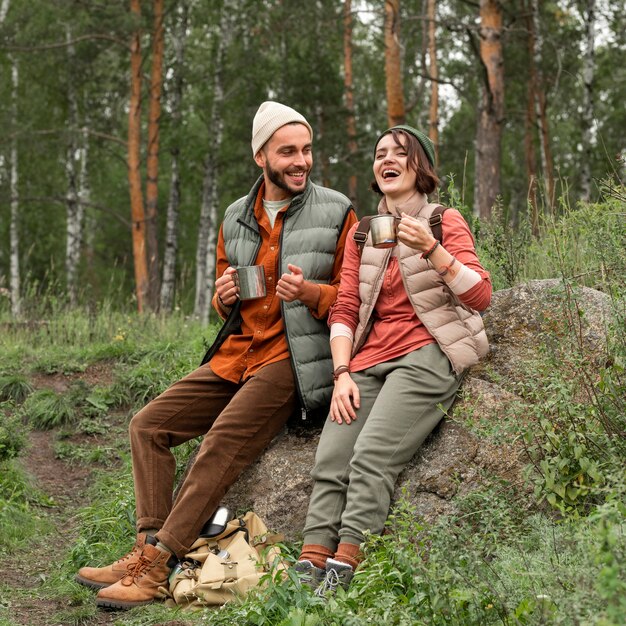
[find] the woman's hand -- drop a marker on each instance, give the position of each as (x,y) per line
(226,289)
(413,233)
(345,399)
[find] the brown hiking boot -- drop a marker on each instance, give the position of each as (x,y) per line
(100,577)
(140,585)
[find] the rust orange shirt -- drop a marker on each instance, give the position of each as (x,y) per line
(262,340)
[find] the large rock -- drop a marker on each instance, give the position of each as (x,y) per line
(453,461)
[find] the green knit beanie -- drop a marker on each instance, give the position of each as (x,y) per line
(425,141)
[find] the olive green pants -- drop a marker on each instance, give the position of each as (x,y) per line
(357,464)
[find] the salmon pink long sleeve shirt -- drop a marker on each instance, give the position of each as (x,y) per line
(396,329)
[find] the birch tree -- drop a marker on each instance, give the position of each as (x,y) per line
(491,109)
(207,228)
(589,64)
(14,255)
(74,204)
(396,113)
(179,34)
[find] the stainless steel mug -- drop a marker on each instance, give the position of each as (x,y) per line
(384,231)
(251,282)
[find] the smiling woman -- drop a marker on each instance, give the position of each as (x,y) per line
(405,326)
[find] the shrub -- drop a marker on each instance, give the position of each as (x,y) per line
(46,409)
(12,433)
(14,387)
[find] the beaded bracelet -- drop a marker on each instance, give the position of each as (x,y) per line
(342,369)
(426,254)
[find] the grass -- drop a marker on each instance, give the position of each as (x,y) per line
(507,556)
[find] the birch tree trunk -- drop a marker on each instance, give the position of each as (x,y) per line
(396,113)
(15,280)
(152,159)
(134,161)
(349,100)
(589,66)
(74,208)
(433,72)
(168,283)
(491,110)
(547,164)
(207,228)
(14,245)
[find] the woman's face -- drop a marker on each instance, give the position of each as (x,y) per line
(395,178)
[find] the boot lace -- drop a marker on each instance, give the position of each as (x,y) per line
(329,584)
(138,569)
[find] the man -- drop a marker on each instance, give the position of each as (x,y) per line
(271,355)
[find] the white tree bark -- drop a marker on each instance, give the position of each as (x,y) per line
(168,282)
(589,67)
(15,281)
(208,227)
(74,208)
(14,258)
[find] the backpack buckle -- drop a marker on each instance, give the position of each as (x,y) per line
(435,220)
(360,237)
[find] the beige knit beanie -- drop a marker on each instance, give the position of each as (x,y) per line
(269,118)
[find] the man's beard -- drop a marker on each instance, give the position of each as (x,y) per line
(278,180)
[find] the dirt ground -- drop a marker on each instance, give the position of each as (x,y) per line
(66,484)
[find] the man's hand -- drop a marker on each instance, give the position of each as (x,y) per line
(292,287)
(226,289)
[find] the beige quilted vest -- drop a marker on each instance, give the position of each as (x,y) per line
(458,330)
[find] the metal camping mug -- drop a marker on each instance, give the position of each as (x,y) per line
(384,231)
(251,282)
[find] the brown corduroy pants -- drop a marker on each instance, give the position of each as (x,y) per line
(238,422)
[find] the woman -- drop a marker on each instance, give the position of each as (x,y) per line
(405,326)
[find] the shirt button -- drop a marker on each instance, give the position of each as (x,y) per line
(265,307)
(258,332)
(272,248)
(251,350)
(269,278)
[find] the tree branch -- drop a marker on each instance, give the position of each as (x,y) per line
(65,44)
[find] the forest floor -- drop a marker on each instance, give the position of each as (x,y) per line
(66,485)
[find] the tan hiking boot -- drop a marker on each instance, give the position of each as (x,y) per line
(100,577)
(141,583)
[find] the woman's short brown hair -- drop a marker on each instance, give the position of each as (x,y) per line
(426,178)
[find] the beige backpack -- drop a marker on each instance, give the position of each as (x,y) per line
(220,569)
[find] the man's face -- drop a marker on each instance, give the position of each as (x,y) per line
(286,160)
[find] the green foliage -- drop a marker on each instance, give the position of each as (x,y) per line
(504,248)
(12,432)
(14,387)
(107,526)
(46,409)
(575,440)
(18,518)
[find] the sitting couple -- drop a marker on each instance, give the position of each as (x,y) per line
(404,324)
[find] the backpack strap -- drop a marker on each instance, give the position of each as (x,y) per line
(435,221)
(361,232)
